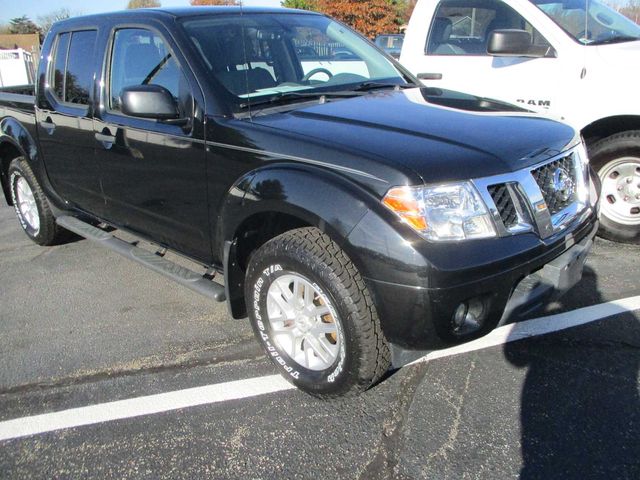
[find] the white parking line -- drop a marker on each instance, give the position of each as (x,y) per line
(252,387)
(135,407)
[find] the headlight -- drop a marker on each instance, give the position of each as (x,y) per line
(442,213)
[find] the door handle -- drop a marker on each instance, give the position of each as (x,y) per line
(430,76)
(106,140)
(48,125)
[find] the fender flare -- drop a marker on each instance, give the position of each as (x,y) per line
(15,136)
(314,196)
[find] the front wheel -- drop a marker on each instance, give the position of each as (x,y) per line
(617,161)
(312,312)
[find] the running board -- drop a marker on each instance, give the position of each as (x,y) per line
(177,273)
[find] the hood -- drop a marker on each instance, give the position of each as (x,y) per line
(622,55)
(440,135)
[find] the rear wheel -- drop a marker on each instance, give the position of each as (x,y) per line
(312,312)
(32,206)
(617,161)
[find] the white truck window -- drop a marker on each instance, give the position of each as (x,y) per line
(463,27)
(590,22)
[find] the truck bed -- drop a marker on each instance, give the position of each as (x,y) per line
(21,98)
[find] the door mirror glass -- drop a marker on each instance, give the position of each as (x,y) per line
(149,101)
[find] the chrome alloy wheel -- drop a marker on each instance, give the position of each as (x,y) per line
(26,204)
(303,321)
(621,190)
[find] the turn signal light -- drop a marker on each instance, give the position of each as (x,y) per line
(402,201)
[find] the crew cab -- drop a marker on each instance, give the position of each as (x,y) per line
(354,216)
(574,60)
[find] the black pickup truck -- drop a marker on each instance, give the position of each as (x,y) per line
(355,217)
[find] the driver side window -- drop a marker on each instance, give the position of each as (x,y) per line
(463,27)
(141,57)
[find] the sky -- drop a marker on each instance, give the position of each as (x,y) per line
(33,8)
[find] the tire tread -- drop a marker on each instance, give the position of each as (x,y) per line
(374,357)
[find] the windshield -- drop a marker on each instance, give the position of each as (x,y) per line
(590,22)
(257,58)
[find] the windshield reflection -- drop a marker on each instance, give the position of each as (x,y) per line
(261,58)
(590,22)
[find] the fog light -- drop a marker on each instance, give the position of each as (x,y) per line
(468,317)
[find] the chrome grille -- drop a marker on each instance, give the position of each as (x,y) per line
(557,181)
(504,203)
(544,199)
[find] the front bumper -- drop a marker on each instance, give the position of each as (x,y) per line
(416,318)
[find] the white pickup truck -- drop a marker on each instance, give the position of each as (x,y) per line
(575,60)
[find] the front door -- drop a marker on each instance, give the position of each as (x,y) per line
(457,59)
(153,172)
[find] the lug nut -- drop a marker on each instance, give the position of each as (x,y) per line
(629,180)
(620,188)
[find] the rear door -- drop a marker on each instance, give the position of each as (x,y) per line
(153,172)
(64,117)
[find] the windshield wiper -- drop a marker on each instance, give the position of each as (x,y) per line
(285,96)
(367,86)
(615,39)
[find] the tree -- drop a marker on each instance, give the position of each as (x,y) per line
(143,4)
(632,10)
(301,4)
(197,3)
(46,21)
(23,25)
(406,9)
(370,18)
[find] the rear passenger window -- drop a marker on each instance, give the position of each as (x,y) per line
(60,65)
(463,27)
(79,78)
(73,67)
(141,57)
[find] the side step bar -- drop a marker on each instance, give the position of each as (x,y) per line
(175,272)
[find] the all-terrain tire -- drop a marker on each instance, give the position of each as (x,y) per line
(361,351)
(616,159)
(41,225)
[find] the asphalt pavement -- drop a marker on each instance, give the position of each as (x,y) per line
(82,326)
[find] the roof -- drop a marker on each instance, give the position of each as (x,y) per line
(178,12)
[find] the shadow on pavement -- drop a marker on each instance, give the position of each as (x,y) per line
(580,405)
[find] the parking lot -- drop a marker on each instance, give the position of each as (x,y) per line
(82,327)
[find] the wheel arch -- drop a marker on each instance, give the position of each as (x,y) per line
(8,151)
(15,141)
(279,199)
(605,127)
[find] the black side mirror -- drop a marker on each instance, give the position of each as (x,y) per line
(515,43)
(149,101)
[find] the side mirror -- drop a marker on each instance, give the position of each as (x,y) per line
(149,101)
(515,43)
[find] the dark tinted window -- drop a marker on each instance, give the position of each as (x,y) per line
(79,78)
(60,63)
(141,57)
